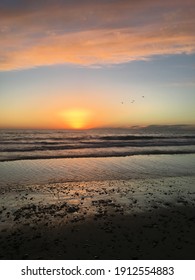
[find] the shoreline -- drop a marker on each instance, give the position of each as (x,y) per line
(99,155)
(119,219)
(45,171)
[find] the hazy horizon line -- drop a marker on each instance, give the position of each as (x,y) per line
(192,126)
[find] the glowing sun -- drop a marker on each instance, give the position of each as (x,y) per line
(76,118)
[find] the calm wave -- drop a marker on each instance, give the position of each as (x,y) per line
(41,144)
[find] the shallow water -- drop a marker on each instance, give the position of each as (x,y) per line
(26,172)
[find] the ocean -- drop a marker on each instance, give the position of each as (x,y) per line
(44,156)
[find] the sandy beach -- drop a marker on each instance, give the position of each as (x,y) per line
(120,219)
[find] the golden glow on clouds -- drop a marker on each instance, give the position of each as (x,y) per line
(91,33)
(98,47)
(95,33)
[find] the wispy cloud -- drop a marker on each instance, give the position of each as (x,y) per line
(182,84)
(93,32)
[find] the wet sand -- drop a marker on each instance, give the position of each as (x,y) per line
(121,219)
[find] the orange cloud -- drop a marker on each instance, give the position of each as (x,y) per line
(95,33)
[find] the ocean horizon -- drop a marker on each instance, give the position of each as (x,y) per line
(17,144)
(50,156)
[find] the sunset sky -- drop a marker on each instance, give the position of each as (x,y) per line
(96,63)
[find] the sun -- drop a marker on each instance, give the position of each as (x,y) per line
(76,118)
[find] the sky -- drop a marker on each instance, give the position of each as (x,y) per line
(96,63)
